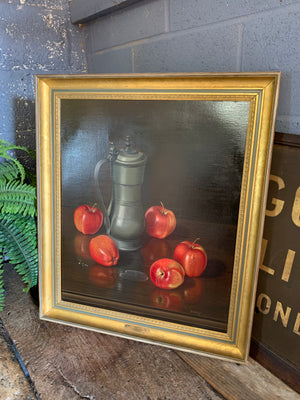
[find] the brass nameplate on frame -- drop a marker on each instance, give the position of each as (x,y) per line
(151,199)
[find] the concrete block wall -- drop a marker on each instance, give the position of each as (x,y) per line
(200,36)
(36,37)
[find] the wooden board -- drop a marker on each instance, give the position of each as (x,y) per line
(239,382)
(71,363)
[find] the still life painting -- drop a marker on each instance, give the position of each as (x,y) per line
(151,201)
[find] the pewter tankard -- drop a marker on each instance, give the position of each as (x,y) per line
(124,218)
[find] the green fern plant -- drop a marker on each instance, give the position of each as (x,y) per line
(18,228)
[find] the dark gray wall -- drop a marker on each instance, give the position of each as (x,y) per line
(36,37)
(199,36)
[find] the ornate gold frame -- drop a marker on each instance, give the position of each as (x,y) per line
(261,90)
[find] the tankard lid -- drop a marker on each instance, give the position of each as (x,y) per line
(129,155)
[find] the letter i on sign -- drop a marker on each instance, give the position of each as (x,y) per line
(288,265)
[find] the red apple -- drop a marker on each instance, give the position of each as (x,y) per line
(87,219)
(104,250)
(166,273)
(103,277)
(192,257)
(160,222)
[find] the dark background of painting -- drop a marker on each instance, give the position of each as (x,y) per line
(195,152)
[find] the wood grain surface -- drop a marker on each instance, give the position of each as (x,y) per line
(13,382)
(237,382)
(70,363)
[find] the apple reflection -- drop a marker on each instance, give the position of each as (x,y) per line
(167,299)
(103,277)
(81,246)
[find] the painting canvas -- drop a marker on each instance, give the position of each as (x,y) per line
(166,160)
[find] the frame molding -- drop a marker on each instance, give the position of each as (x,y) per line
(261,90)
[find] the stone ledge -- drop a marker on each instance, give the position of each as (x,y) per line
(86,11)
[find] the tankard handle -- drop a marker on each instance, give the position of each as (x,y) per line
(112,155)
(99,194)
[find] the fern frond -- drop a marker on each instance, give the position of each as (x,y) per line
(8,171)
(16,198)
(19,240)
(4,148)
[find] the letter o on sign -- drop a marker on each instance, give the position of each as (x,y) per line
(263,303)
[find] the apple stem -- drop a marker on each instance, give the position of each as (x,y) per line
(194,242)
(94,205)
(161,273)
(163,211)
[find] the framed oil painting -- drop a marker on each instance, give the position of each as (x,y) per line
(151,197)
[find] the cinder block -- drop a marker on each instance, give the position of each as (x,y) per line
(113,61)
(50,4)
(193,13)
(289,97)
(35,39)
(288,124)
(139,21)
(211,50)
(17,102)
(271,42)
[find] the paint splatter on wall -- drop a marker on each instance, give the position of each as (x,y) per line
(36,37)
